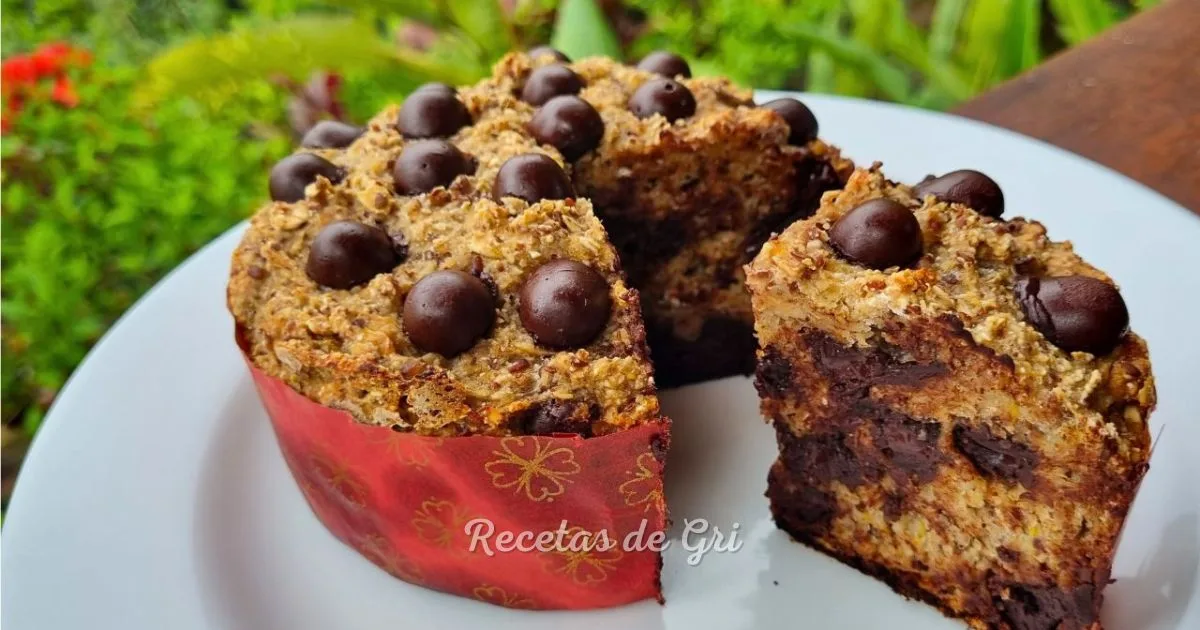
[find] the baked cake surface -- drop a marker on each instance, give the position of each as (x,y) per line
(353,347)
(689,178)
(959,406)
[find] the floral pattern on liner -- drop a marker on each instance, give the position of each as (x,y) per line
(403,501)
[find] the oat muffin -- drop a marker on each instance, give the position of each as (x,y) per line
(960,408)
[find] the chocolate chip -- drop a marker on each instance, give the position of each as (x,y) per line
(564,304)
(426,164)
(432,111)
(541,51)
(800,119)
(532,177)
(773,374)
(667,64)
(665,97)
(331,134)
(294,173)
(557,417)
(549,81)
(437,87)
(447,312)
(568,123)
(993,456)
(345,254)
(1075,313)
(878,234)
(970,188)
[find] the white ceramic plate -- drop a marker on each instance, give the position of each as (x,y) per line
(155,496)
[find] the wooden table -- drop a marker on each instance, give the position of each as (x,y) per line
(1129,99)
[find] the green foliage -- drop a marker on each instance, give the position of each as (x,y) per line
(99,203)
(122,31)
(326,36)
(582,31)
(872,48)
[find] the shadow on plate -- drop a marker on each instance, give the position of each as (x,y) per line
(1158,595)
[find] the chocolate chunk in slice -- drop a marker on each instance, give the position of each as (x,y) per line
(1075,313)
(547,82)
(800,119)
(666,64)
(432,111)
(291,175)
(665,97)
(997,457)
(557,417)
(970,188)
(532,177)
(447,312)
(426,164)
(564,304)
(879,234)
(345,254)
(569,124)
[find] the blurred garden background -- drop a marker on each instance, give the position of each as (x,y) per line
(135,131)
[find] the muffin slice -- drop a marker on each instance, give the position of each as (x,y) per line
(960,408)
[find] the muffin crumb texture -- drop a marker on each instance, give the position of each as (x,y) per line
(932,431)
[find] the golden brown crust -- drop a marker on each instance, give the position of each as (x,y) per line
(685,201)
(931,436)
(348,349)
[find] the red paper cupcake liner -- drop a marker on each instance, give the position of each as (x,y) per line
(404,501)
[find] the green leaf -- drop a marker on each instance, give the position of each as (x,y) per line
(427,11)
(1079,20)
(1022,43)
(984,30)
(821,73)
(891,80)
(218,66)
(582,30)
(943,27)
(484,23)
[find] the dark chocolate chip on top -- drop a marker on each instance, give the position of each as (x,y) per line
(432,111)
(331,134)
(879,234)
(564,304)
(666,64)
(970,188)
(547,82)
(446,312)
(1075,313)
(532,177)
(291,175)
(546,51)
(345,254)
(426,164)
(568,123)
(802,124)
(665,97)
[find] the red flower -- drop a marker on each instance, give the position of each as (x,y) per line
(64,92)
(17,71)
